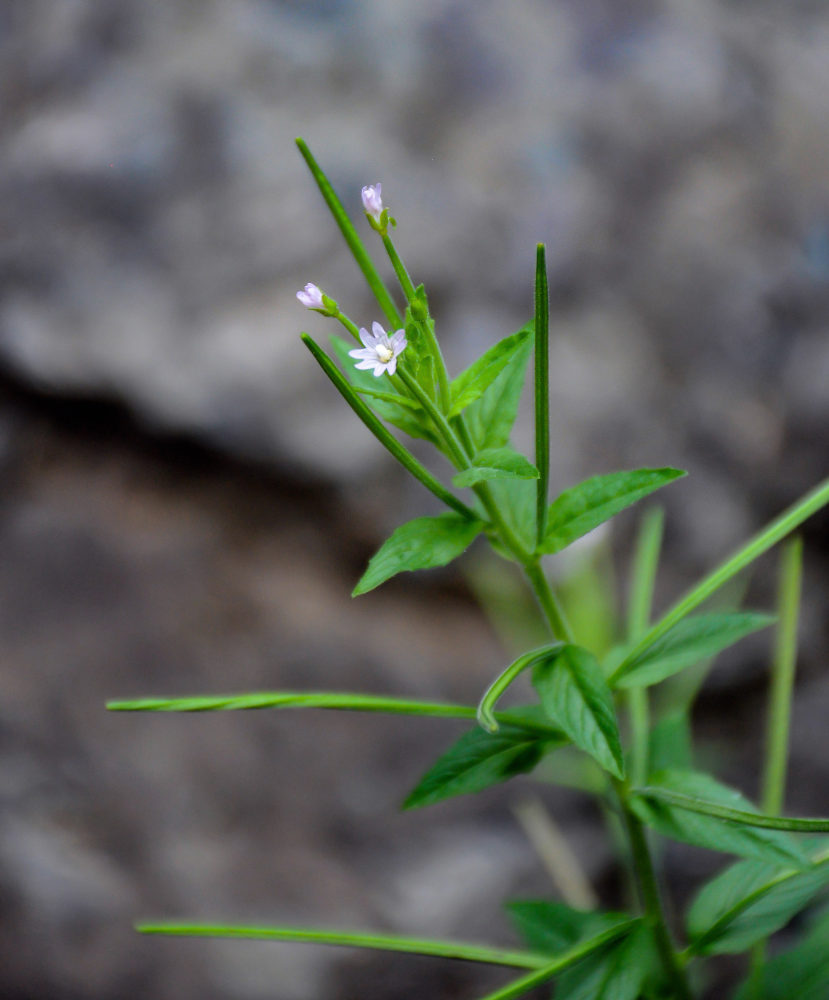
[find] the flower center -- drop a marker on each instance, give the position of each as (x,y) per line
(385,354)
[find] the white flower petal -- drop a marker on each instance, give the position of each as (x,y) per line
(391,367)
(379,369)
(366,364)
(379,333)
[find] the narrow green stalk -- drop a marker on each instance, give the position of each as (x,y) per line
(355,244)
(553,611)
(762,542)
(542,390)
(406,282)
(782,681)
(334,700)
(378,429)
(382,942)
(349,324)
(643,577)
(652,902)
(779,711)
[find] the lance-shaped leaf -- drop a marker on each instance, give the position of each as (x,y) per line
(748,902)
(490,418)
(480,375)
(802,973)
(670,743)
(423,543)
(549,927)
(496,463)
(575,695)
(711,831)
(578,953)
(693,639)
(480,759)
(584,507)
(618,973)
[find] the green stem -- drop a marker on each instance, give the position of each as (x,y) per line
(406,282)
(643,576)
(783,668)
(383,942)
(342,701)
(652,902)
(553,611)
(779,710)
(542,390)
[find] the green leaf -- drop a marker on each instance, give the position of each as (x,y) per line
(693,639)
(400,411)
(490,418)
(496,463)
(480,759)
(669,744)
(578,953)
(576,697)
(710,831)
(748,902)
(516,500)
(802,973)
(618,973)
(584,507)
(423,543)
(549,927)
(471,384)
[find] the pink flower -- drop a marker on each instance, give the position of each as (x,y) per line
(380,351)
(373,201)
(311,297)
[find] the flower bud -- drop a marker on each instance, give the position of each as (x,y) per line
(311,297)
(377,215)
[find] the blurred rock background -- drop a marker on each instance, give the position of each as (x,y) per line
(186,506)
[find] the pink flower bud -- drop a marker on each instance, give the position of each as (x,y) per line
(373,201)
(311,297)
